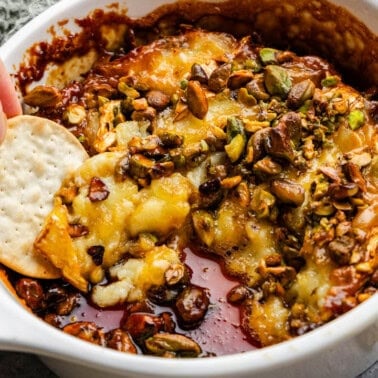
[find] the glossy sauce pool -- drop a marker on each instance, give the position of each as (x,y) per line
(220,332)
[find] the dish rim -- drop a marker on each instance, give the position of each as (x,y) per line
(69,348)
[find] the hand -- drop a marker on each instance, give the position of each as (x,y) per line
(9,104)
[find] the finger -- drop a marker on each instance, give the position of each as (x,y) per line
(3,124)
(8,95)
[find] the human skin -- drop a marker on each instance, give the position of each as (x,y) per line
(9,103)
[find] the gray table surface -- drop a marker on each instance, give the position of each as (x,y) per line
(14,14)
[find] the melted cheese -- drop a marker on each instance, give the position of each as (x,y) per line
(134,277)
(112,222)
(193,129)
(165,63)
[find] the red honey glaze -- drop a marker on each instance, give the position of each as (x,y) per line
(218,334)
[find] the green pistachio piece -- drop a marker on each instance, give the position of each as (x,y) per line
(234,127)
(330,81)
(175,344)
(277,81)
(183,84)
(300,93)
(324,209)
(204,226)
(235,148)
(262,202)
(127,90)
(356,119)
(268,55)
(253,65)
(256,88)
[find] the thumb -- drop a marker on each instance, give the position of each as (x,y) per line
(3,124)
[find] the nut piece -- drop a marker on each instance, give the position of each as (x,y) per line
(43,96)
(299,93)
(171,345)
(174,274)
(31,292)
(277,81)
(204,226)
(268,55)
(87,331)
(219,77)
(192,305)
(157,99)
(239,78)
(74,114)
(196,99)
(97,190)
(97,253)
(288,191)
(198,73)
(256,88)
(120,340)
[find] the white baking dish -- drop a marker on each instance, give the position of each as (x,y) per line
(342,348)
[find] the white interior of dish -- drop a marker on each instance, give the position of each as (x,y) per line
(21,330)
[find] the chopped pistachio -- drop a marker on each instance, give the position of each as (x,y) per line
(330,81)
(267,166)
(219,77)
(204,226)
(233,128)
(246,98)
(198,73)
(305,107)
(268,55)
(262,202)
(277,81)
(339,106)
(127,90)
(196,99)
(300,93)
(288,191)
(324,209)
(235,148)
(252,126)
(231,182)
(256,88)
(321,188)
(356,119)
(140,104)
(74,114)
(174,274)
(102,100)
(183,84)
(239,78)
(43,96)
(82,138)
(176,344)
(253,65)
